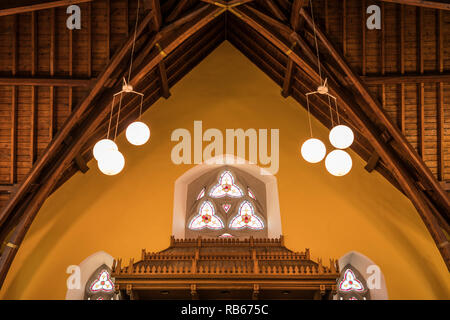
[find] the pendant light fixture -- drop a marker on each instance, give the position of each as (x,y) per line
(338,162)
(110,160)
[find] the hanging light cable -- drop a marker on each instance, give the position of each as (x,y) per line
(110,159)
(137,132)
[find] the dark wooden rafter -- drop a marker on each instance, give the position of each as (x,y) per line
(412,78)
(52,112)
(275,9)
(38,5)
(421,85)
(386,153)
(422,3)
(45,82)
(424,172)
(180,6)
(296,20)
(53,174)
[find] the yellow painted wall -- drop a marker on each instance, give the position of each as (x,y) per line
(123,214)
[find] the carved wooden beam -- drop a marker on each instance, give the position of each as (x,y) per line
(441,5)
(45,81)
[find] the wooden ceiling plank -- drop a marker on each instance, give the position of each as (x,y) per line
(440,100)
(70,45)
(383,55)
(406,182)
(14,58)
(417,162)
(422,3)
(52,119)
(296,21)
(344,27)
(40,5)
(108,29)
(33,129)
(41,81)
(402,71)
(410,78)
(421,85)
(180,39)
(363,38)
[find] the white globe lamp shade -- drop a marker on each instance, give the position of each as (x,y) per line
(137,133)
(102,147)
(112,163)
(313,150)
(338,163)
(341,137)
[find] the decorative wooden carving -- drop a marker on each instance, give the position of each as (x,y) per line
(207,268)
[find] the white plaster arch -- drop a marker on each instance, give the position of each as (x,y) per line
(87,267)
(360,262)
(269,180)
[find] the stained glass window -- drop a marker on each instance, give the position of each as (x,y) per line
(102,283)
(246,218)
(226,235)
(226,187)
(100,286)
(251,194)
(351,285)
(349,282)
(226,207)
(206,218)
(201,194)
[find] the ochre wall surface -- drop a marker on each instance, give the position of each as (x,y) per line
(331,216)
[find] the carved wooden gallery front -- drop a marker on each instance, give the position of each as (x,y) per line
(226,268)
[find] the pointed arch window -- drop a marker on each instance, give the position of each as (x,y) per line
(100,286)
(351,285)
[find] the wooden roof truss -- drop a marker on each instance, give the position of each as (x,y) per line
(174,36)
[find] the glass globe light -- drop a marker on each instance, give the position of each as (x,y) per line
(341,137)
(338,163)
(137,133)
(112,163)
(102,147)
(313,150)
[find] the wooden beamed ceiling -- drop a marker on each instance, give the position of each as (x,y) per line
(56,85)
